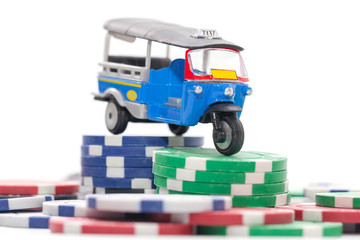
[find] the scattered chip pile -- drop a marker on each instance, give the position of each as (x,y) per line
(340,207)
(21,201)
(151,214)
(123,164)
(337,207)
(200,192)
(141,214)
(253,179)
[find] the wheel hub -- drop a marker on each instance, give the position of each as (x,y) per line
(219,136)
(111,115)
(225,136)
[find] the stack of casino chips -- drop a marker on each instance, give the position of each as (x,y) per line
(307,194)
(253,179)
(312,189)
(123,164)
(339,207)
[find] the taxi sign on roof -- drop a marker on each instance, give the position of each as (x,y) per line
(206,34)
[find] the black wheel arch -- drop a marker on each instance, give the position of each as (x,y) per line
(225,107)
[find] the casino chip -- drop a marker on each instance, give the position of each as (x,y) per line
(24,220)
(37,187)
(243,216)
(117,161)
(125,183)
(65,197)
(300,229)
(173,141)
(100,190)
(78,208)
(169,217)
(262,201)
(67,208)
(210,160)
(56,197)
(298,196)
(85,190)
(311,212)
(106,151)
(221,188)
(88,226)
(246,201)
(154,203)
(315,188)
(117,172)
(298,200)
(297,192)
(339,200)
(219,177)
(23,203)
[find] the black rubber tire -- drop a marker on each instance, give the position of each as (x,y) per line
(178,130)
(122,118)
(236,136)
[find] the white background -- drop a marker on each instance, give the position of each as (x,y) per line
(302,58)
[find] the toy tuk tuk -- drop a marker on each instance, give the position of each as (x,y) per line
(208,85)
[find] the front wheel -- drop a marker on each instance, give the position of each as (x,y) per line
(178,130)
(233,135)
(116,117)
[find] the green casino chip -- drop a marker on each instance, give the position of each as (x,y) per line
(246,201)
(221,188)
(218,177)
(296,229)
(297,192)
(339,199)
(210,160)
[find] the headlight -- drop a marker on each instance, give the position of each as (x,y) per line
(198,89)
(249,91)
(229,92)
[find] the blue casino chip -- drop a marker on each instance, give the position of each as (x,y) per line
(124,183)
(117,172)
(155,203)
(173,141)
(99,150)
(24,220)
(24,203)
(99,190)
(117,161)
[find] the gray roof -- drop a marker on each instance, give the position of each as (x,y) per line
(164,33)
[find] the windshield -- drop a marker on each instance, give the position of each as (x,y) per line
(209,61)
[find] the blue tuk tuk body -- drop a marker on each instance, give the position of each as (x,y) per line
(208,86)
(169,83)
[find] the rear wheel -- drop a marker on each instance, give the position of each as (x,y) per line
(233,135)
(178,130)
(116,117)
